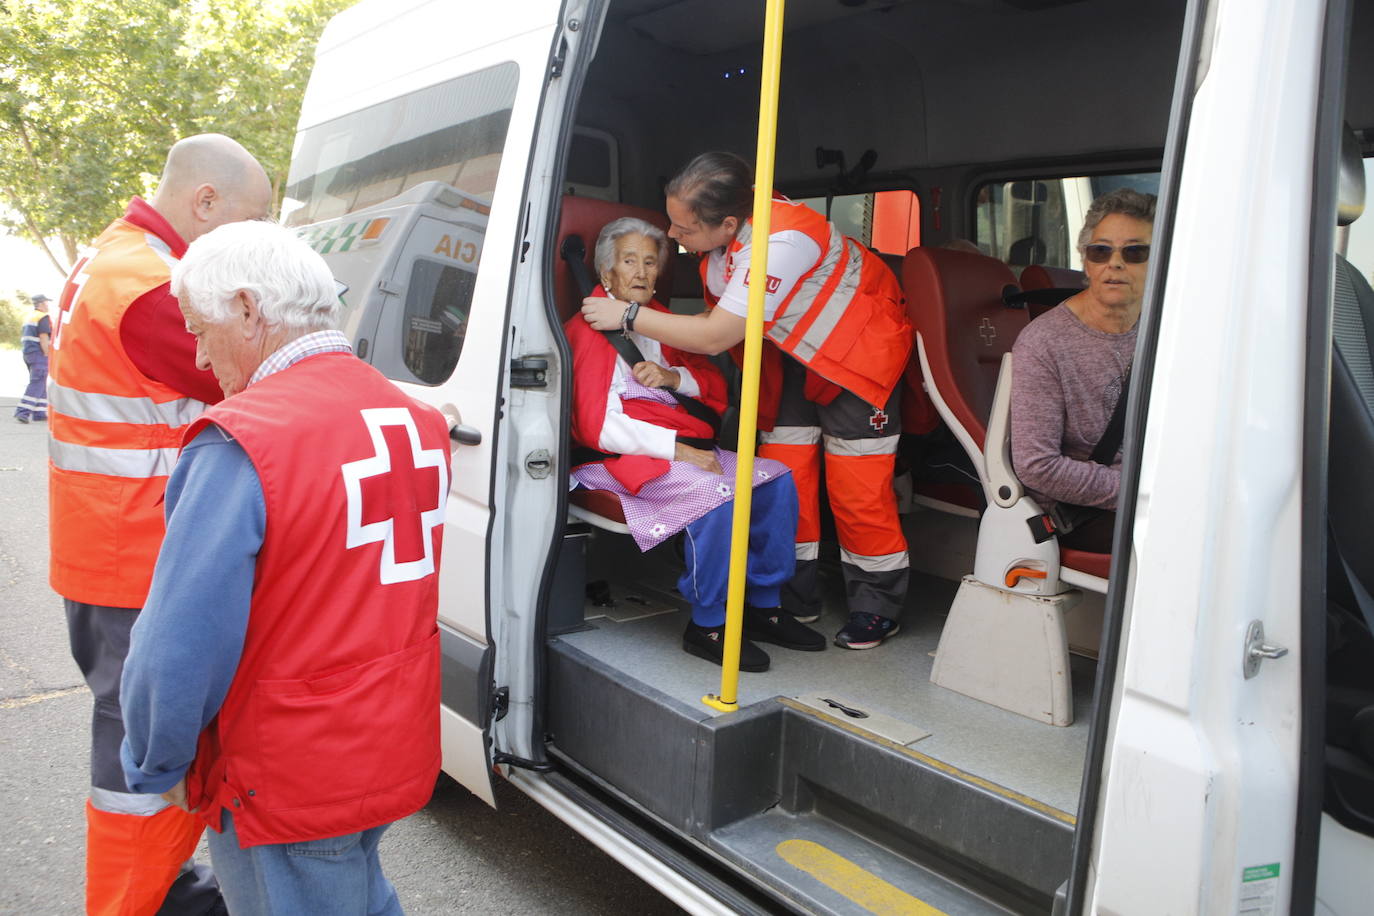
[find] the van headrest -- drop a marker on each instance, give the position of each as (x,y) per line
(585,217)
(954,299)
(1350,193)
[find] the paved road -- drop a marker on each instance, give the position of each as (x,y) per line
(455,856)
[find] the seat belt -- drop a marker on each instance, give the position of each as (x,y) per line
(574,251)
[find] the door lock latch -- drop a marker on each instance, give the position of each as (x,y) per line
(1257,650)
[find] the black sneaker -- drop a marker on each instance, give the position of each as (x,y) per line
(866,631)
(807,616)
(709,643)
(21,419)
(781,629)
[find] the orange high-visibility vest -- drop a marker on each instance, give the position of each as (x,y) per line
(844,319)
(114,432)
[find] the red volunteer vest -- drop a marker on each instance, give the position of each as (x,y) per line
(331,724)
(844,319)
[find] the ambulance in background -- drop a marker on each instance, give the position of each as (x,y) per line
(1211,749)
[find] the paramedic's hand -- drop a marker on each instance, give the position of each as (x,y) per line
(652,375)
(701,458)
(602,313)
(177,796)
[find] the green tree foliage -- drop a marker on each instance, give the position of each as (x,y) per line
(12,312)
(94,92)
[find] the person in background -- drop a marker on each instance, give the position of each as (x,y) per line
(282,681)
(123,387)
(837,343)
(640,441)
(1071,369)
(36,342)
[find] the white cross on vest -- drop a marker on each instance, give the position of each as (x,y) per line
(403,527)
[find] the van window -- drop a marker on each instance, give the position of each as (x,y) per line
(436,318)
(888,221)
(373,155)
(1037,220)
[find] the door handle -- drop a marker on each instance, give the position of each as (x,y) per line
(465,435)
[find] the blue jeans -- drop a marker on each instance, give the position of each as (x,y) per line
(337,876)
(771,559)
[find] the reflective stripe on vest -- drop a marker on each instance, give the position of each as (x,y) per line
(112,462)
(112,408)
(819,286)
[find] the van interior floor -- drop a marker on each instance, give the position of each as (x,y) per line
(640,638)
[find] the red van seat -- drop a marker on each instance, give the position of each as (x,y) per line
(601,502)
(585,217)
(954,299)
(1040,276)
(1094,564)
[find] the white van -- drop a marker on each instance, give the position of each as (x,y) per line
(1186,726)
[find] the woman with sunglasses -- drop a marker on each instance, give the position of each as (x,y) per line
(1071,366)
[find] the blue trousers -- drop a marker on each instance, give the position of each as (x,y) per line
(337,876)
(772,552)
(34,404)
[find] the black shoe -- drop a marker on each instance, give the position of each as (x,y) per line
(781,629)
(709,643)
(21,419)
(866,631)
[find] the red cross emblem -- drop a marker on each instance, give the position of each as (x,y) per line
(987,330)
(396,497)
(70,295)
(879,420)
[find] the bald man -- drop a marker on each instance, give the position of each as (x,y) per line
(123,387)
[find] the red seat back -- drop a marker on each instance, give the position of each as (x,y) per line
(1039,276)
(954,299)
(585,217)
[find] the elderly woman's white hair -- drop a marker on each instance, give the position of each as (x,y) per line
(616,230)
(289,282)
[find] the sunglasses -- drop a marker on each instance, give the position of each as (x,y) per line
(1131,254)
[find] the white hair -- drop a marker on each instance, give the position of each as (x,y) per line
(291,285)
(616,230)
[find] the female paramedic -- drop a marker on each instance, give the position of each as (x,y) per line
(835,317)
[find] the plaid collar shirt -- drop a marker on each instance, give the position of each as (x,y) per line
(298,349)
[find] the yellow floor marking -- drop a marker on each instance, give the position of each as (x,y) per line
(18,702)
(858,884)
(940,765)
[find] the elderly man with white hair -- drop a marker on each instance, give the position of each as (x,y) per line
(283,679)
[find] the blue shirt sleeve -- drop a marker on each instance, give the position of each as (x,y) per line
(189,636)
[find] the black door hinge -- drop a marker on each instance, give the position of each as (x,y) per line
(529,372)
(556,68)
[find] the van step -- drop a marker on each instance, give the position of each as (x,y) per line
(866,812)
(823,868)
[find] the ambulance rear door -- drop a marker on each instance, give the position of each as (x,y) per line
(431,107)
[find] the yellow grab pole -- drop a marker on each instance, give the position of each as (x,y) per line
(727,699)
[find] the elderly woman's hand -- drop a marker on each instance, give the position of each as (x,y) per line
(602,313)
(700,457)
(652,375)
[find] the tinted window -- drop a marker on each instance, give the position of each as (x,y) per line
(436,318)
(453,133)
(1037,221)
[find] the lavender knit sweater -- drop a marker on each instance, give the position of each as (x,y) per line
(1065,383)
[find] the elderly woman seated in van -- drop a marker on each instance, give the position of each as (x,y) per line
(638,440)
(1071,369)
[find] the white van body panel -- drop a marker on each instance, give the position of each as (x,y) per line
(1202,765)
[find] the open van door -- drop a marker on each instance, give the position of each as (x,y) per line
(1204,684)
(408,176)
